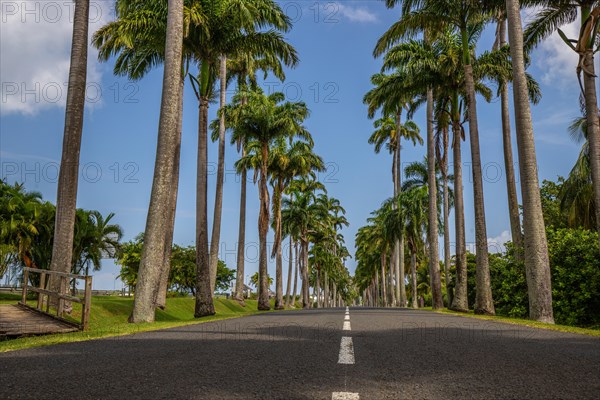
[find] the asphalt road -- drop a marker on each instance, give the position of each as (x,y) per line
(315,354)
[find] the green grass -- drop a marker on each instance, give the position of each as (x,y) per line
(520,321)
(108,317)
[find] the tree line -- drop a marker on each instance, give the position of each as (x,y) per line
(430,59)
(27,226)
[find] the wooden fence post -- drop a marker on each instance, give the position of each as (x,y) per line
(40,302)
(25,283)
(87,302)
(61,301)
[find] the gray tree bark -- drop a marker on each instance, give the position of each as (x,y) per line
(413,269)
(484,303)
(306,303)
(263,228)
(204,294)
(161,294)
(241,250)
(296,262)
(434,258)
(460,301)
(537,265)
(288,288)
(215,240)
(593,129)
(511,186)
(66,200)
(156,230)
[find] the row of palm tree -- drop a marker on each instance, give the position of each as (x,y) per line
(430,57)
(313,221)
(225,40)
(222,39)
(404,215)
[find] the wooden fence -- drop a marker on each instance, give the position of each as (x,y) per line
(45,291)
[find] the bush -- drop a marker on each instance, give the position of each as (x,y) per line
(575,268)
(575,263)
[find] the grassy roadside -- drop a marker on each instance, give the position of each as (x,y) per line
(109,315)
(519,321)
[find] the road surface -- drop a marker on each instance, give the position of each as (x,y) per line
(315,354)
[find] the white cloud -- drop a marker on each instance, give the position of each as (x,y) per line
(556,60)
(35,41)
(497,244)
(355,14)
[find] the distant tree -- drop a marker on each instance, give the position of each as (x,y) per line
(254,280)
(182,277)
(550,195)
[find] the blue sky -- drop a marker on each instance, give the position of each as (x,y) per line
(335,42)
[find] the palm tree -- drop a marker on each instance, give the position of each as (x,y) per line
(550,18)
(417,174)
(96,238)
(231,28)
(254,280)
(466,17)
(286,163)
(576,193)
(168,139)
(244,67)
(415,202)
(393,130)
(537,264)
(140,46)
(20,222)
(301,212)
(420,65)
(511,186)
(265,119)
(66,201)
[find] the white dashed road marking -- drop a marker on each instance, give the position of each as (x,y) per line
(344,396)
(346,351)
(346,318)
(346,326)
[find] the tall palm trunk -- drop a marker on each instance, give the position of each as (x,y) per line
(413,270)
(484,303)
(511,186)
(434,258)
(460,301)
(204,294)
(326,290)
(66,201)
(161,294)
(277,197)
(335,295)
(318,289)
(288,288)
(444,168)
(215,240)
(156,230)
(241,250)
(263,228)
(593,123)
(383,280)
(391,289)
(306,303)
(297,261)
(399,245)
(378,302)
(537,265)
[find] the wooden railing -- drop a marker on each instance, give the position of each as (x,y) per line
(45,290)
